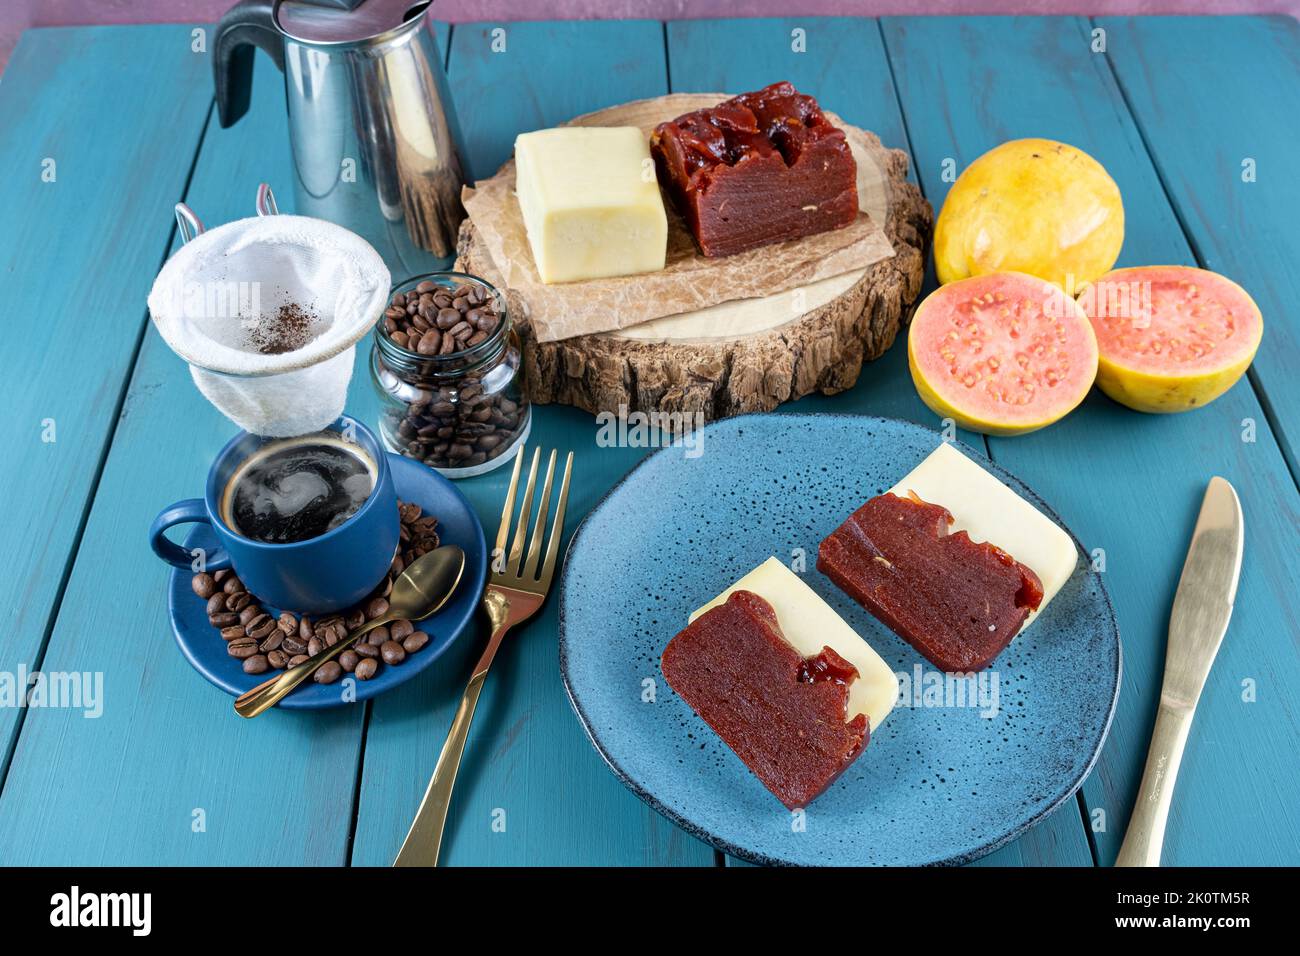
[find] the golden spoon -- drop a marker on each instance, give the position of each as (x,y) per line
(419,591)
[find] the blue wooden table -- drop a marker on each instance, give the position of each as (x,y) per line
(103,129)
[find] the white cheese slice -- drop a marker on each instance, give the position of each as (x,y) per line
(809,624)
(590,202)
(988,510)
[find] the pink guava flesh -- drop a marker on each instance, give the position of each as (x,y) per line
(1171,320)
(1006,348)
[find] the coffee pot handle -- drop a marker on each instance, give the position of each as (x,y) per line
(189,511)
(244,26)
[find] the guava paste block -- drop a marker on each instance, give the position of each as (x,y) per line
(781,713)
(759,168)
(957,601)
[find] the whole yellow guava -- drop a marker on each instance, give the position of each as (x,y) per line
(1035,206)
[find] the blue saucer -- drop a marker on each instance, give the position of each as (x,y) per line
(202,645)
(935,784)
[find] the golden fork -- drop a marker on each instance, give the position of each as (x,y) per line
(515,591)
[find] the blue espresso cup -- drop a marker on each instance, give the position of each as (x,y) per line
(326,573)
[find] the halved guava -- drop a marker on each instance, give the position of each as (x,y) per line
(1004,353)
(1171,338)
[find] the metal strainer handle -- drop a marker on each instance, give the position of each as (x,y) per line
(266,201)
(187,222)
(190,225)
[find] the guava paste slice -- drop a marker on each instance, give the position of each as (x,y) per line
(782,714)
(957,601)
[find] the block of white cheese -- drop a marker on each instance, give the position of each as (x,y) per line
(809,624)
(591,202)
(988,510)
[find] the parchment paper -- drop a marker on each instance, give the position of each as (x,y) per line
(689,280)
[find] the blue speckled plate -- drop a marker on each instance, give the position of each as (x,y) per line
(936,784)
(457,524)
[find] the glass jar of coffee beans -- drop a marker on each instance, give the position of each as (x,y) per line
(447,366)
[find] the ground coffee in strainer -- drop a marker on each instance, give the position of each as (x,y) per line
(267,311)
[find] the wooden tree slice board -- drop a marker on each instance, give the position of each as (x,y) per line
(745,356)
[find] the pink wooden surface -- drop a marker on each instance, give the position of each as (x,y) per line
(18,15)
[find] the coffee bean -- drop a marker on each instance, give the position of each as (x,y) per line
(220,576)
(293,645)
(204,585)
(232,584)
(223,620)
(392,652)
(355,619)
(430,343)
(328,673)
(250,612)
(257,664)
(400,629)
(217,603)
(232,632)
(376,608)
(364,649)
(348,660)
(260,627)
(296,660)
(315,646)
(288,623)
(238,601)
(366,668)
(242,647)
(277,659)
(273,640)
(378,636)
(415,641)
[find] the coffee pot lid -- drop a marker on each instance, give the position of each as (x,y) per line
(344,21)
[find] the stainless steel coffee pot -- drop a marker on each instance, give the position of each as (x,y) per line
(373,132)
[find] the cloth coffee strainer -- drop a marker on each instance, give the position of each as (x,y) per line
(267,311)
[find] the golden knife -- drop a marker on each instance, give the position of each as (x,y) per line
(1202,607)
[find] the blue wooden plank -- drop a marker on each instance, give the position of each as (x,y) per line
(169,753)
(1231,177)
(841,61)
(79,252)
(531,789)
(1129,483)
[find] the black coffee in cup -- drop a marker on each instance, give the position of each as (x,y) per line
(298,488)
